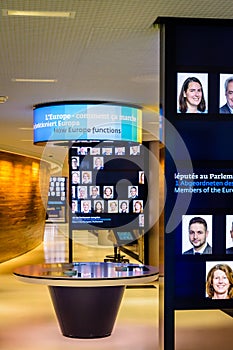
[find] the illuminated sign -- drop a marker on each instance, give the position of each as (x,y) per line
(70,121)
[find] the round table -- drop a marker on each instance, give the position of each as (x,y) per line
(86,295)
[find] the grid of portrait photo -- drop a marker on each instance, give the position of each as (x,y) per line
(107,179)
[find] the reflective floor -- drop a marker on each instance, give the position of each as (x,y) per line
(28,321)
(27,318)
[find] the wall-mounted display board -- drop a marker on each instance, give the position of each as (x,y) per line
(57,197)
(108,188)
(197,107)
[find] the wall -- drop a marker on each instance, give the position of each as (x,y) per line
(161,210)
(24,184)
(154,204)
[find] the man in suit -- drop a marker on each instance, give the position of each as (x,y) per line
(230,250)
(94,192)
(133,192)
(86,207)
(198,233)
(228,107)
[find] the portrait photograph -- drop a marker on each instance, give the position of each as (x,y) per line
(112,206)
(108,192)
(197,234)
(75,177)
(192,93)
(107,151)
(86,206)
(229,234)
(98,163)
(226,93)
(95,151)
(82,192)
(120,151)
(134,150)
(98,206)
(123,206)
(86,177)
(219,280)
(75,163)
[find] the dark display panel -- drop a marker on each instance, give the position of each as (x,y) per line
(200,179)
(108,185)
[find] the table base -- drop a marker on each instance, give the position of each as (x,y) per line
(86,312)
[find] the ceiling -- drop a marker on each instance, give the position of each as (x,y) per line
(109,51)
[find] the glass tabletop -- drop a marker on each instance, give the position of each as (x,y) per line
(86,270)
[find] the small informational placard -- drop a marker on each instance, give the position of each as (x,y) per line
(57,196)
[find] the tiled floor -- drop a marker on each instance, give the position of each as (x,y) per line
(28,321)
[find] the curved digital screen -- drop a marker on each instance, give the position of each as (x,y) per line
(86,121)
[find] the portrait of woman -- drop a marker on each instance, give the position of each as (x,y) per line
(108,192)
(124,206)
(191,98)
(86,177)
(98,163)
(98,207)
(219,282)
(137,206)
(113,206)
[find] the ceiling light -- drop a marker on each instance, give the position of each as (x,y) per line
(24,140)
(26,128)
(3,99)
(60,14)
(23,80)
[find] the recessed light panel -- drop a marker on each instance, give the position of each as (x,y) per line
(60,14)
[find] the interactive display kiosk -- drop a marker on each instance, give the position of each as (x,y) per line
(107,189)
(196,103)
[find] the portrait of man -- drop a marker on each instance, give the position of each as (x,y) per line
(82,192)
(226,107)
(86,206)
(229,234)
(107,151)
(135,150)
(75,163)
(75,177)
(197,230)
(133,192)
(120,151)
(94,192)
(74,206)
(95,151)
